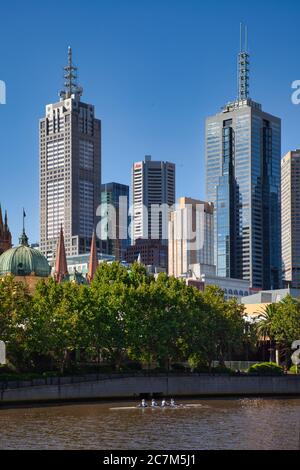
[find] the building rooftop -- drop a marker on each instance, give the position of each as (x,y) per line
(24,261)
(270,296)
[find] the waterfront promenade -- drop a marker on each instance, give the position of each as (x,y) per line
(117,386)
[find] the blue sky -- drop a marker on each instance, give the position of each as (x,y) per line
(154,70)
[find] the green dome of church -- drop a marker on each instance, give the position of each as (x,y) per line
(24,261)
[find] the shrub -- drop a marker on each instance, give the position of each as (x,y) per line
(214,370)
(202,369)
(265,368)
(293,369)
(105,369)
(222,370)
(161,370)
(126,368)
(23,376)
(5,369)
(52,373)
(134,365)
(178,367)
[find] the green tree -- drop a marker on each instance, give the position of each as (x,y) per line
(158,320)
(15,306)
(264,326)
(52,328)
(107,273)
(108,321)
(285,326)
(224,325)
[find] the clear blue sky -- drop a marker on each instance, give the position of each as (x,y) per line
(154,70)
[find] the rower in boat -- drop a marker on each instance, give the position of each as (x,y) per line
(164,403)
(143,404)
(154,403)
(172,402)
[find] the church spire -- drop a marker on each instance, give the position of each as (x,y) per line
(243,65)
(5,235)
(1,219)
(70,75)
(61,267)
(93,263)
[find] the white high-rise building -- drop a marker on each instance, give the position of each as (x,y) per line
(70,169)
(191,236)
(290,218)
(153,193)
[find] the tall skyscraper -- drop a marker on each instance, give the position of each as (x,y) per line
(153,193)
(191,235)
(243,151)
(70,169)
(114,211)
(290,218)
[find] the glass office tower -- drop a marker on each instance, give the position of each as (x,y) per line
(116,196)
(243,152)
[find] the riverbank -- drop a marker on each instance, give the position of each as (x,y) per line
(120,386)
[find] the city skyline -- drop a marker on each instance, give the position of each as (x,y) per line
(150,112)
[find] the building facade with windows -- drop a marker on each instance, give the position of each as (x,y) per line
(243,153)
(191,235)
(115,219)
(290,219)
(70,170)
(153,193)
(149,253)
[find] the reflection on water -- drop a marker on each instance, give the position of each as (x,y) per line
(218,424)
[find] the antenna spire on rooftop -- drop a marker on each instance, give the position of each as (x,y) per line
(70,75)
(243,65)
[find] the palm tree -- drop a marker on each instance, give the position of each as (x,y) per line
(264,325)
(288,299)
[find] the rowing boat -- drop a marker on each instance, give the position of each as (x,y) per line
(176,407)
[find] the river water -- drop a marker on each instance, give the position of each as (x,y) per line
(217,424)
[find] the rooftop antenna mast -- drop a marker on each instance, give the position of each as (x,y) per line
(243,65)
(70,76)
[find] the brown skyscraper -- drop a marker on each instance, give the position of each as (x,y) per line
(70,170)
(5,235)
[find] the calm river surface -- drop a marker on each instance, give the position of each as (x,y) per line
(218,424)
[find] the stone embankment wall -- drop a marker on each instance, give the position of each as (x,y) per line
(65,389)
